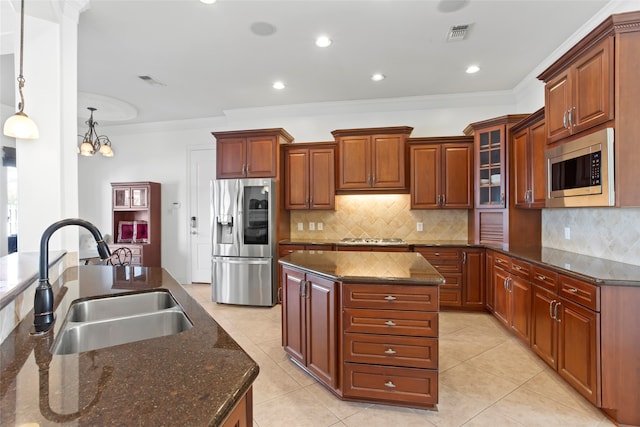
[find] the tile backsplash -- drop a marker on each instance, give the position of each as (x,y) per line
(383,216)
(609,233)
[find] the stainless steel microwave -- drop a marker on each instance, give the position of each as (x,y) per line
(580,172)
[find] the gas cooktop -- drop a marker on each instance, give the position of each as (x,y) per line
(371,241)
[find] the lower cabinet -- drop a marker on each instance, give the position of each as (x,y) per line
(512,295)
(310,323)
(390,344)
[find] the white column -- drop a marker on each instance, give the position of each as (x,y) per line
(47,167)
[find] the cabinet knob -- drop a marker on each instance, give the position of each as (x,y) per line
(390,298)
(389,384)
(390,351)
(390,323)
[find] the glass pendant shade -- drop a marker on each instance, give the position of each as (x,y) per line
(86,149)
(106,151)
(21,126)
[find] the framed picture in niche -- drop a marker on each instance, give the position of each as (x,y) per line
(141,231)
(125,231)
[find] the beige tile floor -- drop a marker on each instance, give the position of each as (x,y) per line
(487,378)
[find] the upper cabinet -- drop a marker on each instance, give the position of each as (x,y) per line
(580,96)
(490,138)
(372,159)
(441,171)
(249,154)
(599,78)
(527,160)
(309,175)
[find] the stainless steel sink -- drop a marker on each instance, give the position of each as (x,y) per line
(105,322)
(120,305)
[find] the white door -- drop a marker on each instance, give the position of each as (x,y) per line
(203,171)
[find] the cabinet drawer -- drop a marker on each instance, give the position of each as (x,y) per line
(440,253)
(450,298)
(579,292)
(386,383)
(395,297)
(412,352)
(391,322)
(446,268)
(543,277)
(502,260)
(521,268)
(452,281)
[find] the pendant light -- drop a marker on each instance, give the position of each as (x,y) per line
(92,143)
(20,125)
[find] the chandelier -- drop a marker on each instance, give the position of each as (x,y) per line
(20,125)
(92,142)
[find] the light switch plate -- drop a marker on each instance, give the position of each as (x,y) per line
(419,226)
(300,226)
(312,226)
(320,226)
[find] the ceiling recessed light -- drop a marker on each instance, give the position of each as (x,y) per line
(377,77)
(471,69)
(208,1)
(323,41)
(278,85)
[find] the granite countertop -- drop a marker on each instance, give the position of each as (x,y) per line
(369,267)
(192,378)
(601,272)
(18,270)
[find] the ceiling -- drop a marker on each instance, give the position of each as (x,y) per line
(208,59)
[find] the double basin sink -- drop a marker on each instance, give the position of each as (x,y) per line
(120,319)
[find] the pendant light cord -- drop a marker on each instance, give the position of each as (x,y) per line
(20,76)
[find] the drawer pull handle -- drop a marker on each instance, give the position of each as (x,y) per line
(572,290)
(541,277)
(436,253)
(390,298)
(389,384)
(518,267)
(390,351)
(390,323)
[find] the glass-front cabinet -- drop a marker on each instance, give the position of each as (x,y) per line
(490,169)
(130,197)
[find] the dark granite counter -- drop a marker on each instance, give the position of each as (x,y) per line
(19,270)
(193,378)
(367,267)
(599,271)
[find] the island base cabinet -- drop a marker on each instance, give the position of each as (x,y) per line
(242,414)
(390,384)
(309,323)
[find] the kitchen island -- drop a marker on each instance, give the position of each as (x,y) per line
(365,324)
(198,377)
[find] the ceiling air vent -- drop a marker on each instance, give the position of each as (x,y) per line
(458,32)
(150,80)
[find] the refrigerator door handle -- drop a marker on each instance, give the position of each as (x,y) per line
(237,260)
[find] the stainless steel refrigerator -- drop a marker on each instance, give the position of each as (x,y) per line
(244,247)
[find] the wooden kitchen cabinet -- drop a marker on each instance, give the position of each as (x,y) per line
(473,278)
(565,329)
(494,218)
(372,159)
(250,153)
(310,176)
(581,95)
(441,171)
(528,174)
(512,295)
(390,343)
(137,206)
(310,323)
(448,262)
